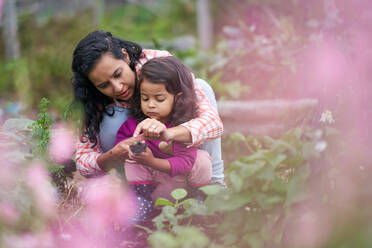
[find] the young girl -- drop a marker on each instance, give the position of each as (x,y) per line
(165,92)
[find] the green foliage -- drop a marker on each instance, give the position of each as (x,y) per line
(173,223)
(41,129)
(146,22)
(28,140)
(264,184)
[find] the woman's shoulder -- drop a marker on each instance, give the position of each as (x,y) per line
(148,54)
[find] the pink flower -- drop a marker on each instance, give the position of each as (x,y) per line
(62,145)
(308,226)
(8,213)
(37,179)
(41,239)
(8,175)
(107,202)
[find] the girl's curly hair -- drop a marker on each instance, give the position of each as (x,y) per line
(178,80)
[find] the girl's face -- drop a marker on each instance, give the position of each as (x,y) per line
(156,101)
(113,77)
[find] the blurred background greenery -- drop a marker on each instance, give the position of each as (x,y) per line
(244,49)
(252,50)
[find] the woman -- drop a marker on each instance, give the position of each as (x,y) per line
(105,73)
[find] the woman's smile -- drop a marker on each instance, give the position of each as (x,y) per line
(123,94)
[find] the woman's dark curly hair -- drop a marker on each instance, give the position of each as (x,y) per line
(178,81)
(86,55)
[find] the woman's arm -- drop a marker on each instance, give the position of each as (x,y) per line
(92,162)
(208,125)
(86,159)
(116,155)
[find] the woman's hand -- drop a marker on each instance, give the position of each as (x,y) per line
(121,150)
(152,129)
(145,158)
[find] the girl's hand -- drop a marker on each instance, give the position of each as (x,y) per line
(152,129)
(145,158)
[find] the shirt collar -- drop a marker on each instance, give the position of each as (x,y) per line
(121,104)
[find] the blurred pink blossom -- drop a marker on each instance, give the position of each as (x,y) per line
(8,213)
(43,239)
(326,68)
(37,178)
(8,175)
(62,145)
(1,9)
(107,202)
(308,226)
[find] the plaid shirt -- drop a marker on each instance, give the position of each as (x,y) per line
(206,126)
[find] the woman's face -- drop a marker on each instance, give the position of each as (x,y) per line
(113,77)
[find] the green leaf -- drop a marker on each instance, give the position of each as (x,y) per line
(227,202)
(187,202)
(236,181)
(239,164)
(279,185)
(211,189)
(276,159)
(163,202)
(267,174)
(254,240)
(161,239)
(252,168)
(237,137)
(268,141)
(289,147)
(191,237)
(158,221)
(296,186)
(266,201)
(178,194)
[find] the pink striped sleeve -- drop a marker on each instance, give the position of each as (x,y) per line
(148,54)
(86,159)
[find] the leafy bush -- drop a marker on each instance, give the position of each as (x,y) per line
(269,189)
